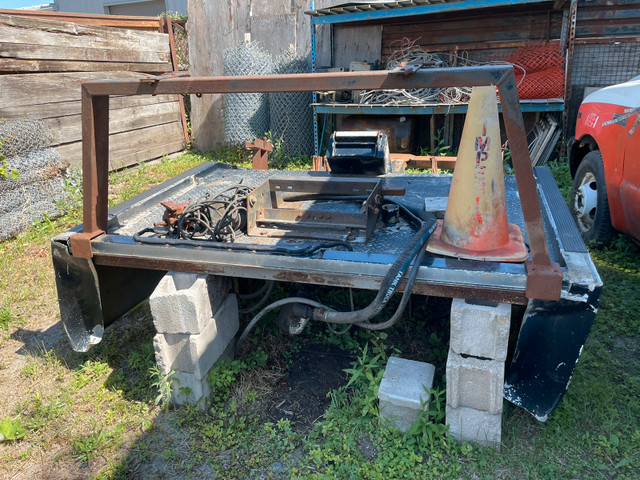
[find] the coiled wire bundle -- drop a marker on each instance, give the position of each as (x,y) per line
(407,53)
(220,217)
(410,53)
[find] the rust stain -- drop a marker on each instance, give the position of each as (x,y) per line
(310,278)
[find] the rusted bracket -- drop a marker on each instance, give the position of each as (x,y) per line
(544,277)
(80,243)
(261,150)
(172,212)
(408,68)
(544,282)
(320,164)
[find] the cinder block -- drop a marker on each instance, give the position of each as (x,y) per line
(475,426)
(402,389)
(474,383)
(196,354)
(218,288)
(187,389)
(184,302)
(480,330)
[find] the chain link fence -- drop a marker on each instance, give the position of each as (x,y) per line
(246,115)
(291,115)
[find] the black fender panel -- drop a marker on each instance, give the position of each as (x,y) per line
(551,339)
(92,297)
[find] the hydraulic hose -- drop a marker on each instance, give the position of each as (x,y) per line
(257,293)
(389,283)
(261,302)
(414,251)
(270,307)
(406,295)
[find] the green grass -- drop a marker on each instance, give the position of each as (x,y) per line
(95,415)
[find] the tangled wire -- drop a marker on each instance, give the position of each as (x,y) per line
(220,217)
(214,222)
(408,52)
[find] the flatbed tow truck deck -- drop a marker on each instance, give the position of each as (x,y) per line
(102,271)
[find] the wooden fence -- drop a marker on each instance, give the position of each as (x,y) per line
(43,62)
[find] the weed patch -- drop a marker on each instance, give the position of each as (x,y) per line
(11,429)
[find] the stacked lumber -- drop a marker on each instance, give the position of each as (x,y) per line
(149,24)
(44,62)
(37,45)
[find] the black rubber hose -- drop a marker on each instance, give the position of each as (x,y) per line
(318,311)
(261,302)
(389,283)
(406,295)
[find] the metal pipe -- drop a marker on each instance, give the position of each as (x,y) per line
(303,82)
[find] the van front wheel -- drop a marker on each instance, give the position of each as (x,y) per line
(589,200)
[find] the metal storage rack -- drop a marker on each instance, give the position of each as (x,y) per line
(379,13)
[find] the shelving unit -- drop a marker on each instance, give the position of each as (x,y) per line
(549,105)
(403,13)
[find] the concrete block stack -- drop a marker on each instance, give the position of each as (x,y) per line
(197,319)
(475,371)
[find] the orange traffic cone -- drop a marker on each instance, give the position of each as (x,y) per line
(475,222)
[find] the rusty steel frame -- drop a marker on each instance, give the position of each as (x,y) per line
(167,26)
(544,277)
(274,208)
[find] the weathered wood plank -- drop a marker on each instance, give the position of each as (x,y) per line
(96,42)
(608,13)
(72,153)
(262,31)
(116,53)
(475,32)
(49,87)
(608,31)
(462,23)
(536,30)
(151,152)
(584,4)
(474,46)
(127,148)
(72,107)
(357,44)
(132,22)
(48,32)
(15,65)
(480,37)
(69,128)
(481,31)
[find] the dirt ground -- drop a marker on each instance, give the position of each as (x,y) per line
(301,396)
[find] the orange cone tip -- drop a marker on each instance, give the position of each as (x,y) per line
(475,221)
